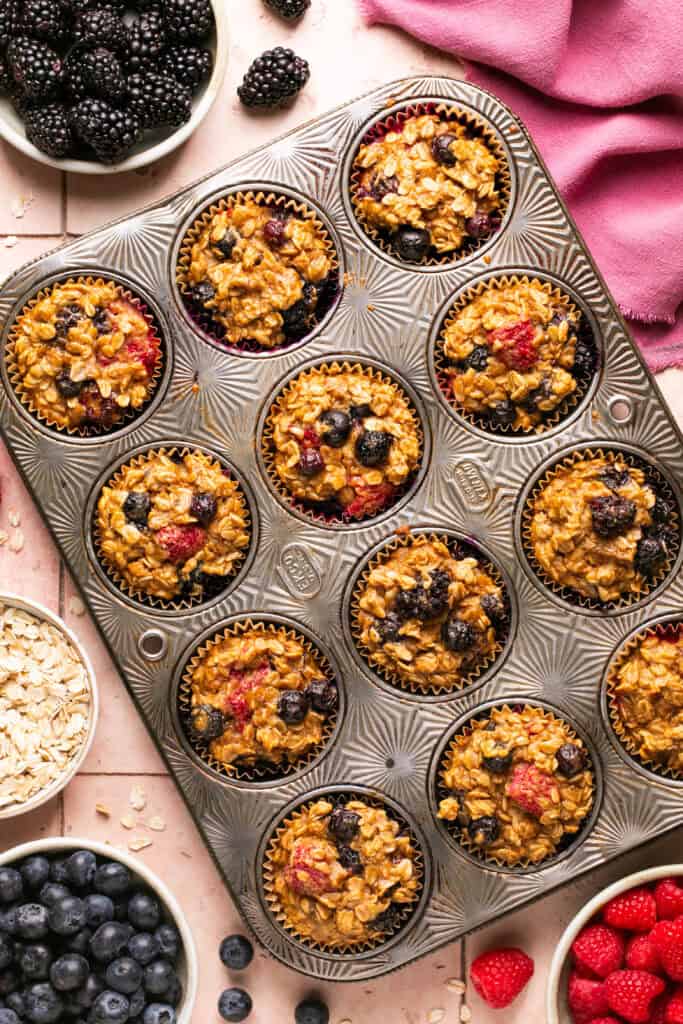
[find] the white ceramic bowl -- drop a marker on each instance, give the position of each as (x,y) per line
(55,787)
(557,1011)
(187,966)
(153,147)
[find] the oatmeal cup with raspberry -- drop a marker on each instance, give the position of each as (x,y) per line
(516,785)
(257,272)
(342,441)
(172,526)
(84,355)
(342,875)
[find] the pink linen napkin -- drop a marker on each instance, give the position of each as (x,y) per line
(599,84)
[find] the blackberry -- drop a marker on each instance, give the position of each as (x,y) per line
(189,65)
(351,860)
(388,920)
(111,133)
(343,825)
(44,19)
(274,77)
(9,20)
(477,359)
(101,26)
(96,73)
(503,414)
(407,602)
(6,80)
(614,478)
(159,100)
(458,635)
(146,40)
(290,10)
(584,358)
(388,628)
(48,129)
(76,7)
(650,554)
(612,515)
(35,67)
(188,19)
(434,600)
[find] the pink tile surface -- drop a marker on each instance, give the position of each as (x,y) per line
(39,187)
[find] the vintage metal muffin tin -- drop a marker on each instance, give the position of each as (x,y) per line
(387,740)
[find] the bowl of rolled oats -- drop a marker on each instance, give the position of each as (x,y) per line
(48,705)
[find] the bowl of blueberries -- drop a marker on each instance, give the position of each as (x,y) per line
(90,935)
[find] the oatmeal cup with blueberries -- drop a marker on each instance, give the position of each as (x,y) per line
(84,355)
(342,440)
(430,186)
(257,273)
(172,526)
(430,615)
(516,355)
(259,696)
(516,785)
(341,874)
(600,527)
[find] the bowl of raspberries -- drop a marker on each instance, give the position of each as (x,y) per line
(620,961)
(102,86)
(88,933)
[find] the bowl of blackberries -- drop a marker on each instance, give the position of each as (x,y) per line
(102,86)
(89,935)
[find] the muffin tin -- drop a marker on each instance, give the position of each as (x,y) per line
(300,572)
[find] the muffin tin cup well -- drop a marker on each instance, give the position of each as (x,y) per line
(411,912)
(457,836)
(462,548)
(201,319)
(394,121)
(659,482)
(567,409)
(260,771)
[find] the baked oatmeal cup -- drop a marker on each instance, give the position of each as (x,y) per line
(430,613)
(515,354)
(342,873)
(172,526)
(257,272)
(342,441)
(601,527)
(258,699)
(84,355)
(430,184)
(515,785)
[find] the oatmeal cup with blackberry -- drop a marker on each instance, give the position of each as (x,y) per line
(341,875)
(259,695)
(517,784)
(430,615)
(258,273)
(84,355)
(343,440)
(430,186)
(173,526)
(516,355)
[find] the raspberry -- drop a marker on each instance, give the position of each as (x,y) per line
(310,438)
(598,950)
(500,975)
(530,788)
(673,1008)
(587,998)
(667,938)
(180,542)
(605,1020)
(630,993)
(669,898)
(144,350)
(514,345)
(658,1009)
(641,954)
(369,500)
(634,910)
(301,875)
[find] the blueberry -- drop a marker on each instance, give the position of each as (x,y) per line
(381,187)
(43,1005)
(58,871)
(274,232)
(203,507)
(481,224)
(109,941)
(67,916)
(98,909)
(35,871)
(137,1001)
(296,319)
(112,879)
(503,414)
(388,628)
(53,892)
(360,412)
(32,921)
(158,977)
(173,994)
(69,972)
(34,961)
(498,763)
(538,395)
(81,867)
(8,1016)
(203,293)
(6,951)
(168,937)
(343,825)
(67,387)
(16,1001)
(662,510)
(144,948)
(311,1011)
(388,920)
(110,1008)
(67,318)
(441,149)
(124,975)
(412,244)
(227,244)
(136,507)
(494,608)
(570,759)
(458,635)
(87,995)
(234,1005)
(351,860)
(101,321)
(322,695)
(311,462)
(159,1013)
(484,830)
(11,885)
(10,981)
(292,706)
(236,952)
(80,942)
(144,912)
(477,359)
(339,428)
(372,447)
(8,920)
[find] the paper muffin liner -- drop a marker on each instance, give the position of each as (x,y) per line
(203,318)
(657,482)
(662,630)
(461,835)
(279,914)
(550,419)
(260,771)
(458,548)
(122,584)
(395,123)
(129,414)
(326,513)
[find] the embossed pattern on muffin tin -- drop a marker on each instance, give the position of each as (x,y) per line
(386,739)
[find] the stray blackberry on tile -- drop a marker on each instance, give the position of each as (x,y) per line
(290,10)
(273,78)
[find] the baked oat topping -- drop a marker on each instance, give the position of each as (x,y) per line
(259,271)
(430,186)
(44,705)
(598,528)
(429,617)
(342,874)
(515,354)
(172,525)
(647,699)
(260,695)
(520,782)
(344,437)
(85,355)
